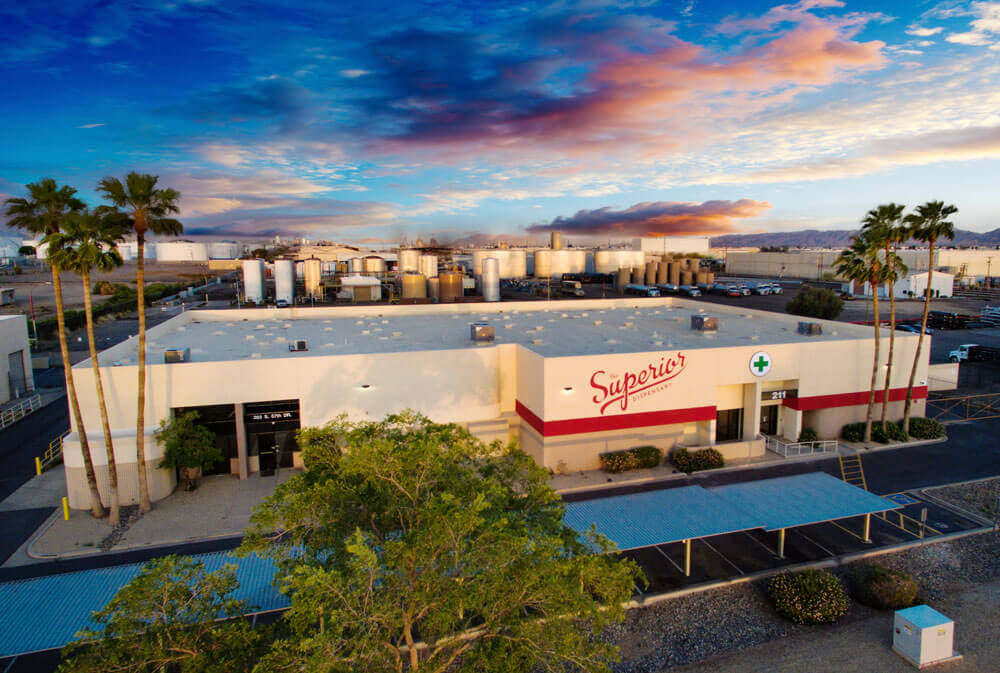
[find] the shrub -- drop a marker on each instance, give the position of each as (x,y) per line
(883,434)
(814,302)
(630,459)
(808,435)
(885,589)
(925,428)
(853,432)
(808,597)
(702,459)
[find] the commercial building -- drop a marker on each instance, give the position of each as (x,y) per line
(915,285)
(819,264)
(15,358)
(567,380)
(666,245)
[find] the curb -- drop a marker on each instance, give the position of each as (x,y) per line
(114,550)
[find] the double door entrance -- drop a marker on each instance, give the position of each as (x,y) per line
(769,419)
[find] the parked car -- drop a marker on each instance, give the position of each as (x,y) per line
(720,288)
(913,329)
(689,290)
(281,303)
(760,288)
(642,290)
(666,288)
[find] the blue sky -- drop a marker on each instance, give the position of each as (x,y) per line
(382,121)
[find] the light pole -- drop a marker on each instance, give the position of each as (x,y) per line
(31,308)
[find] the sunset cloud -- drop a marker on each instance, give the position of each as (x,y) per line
(658,218)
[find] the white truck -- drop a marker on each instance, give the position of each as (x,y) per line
(974,353)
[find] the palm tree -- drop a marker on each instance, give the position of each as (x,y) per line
(148,208)
(861,263)
(927,224)
(89,241)
(45,212)
(884,224)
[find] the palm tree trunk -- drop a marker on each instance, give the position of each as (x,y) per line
(892,346)
(920,343)
(96,508)
(140,424)
(871,389)
(105,424)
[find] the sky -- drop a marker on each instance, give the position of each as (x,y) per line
(388,120)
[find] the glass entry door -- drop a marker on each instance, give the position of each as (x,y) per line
(769,420)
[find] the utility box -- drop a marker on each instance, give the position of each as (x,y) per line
(481,332)
(923,636)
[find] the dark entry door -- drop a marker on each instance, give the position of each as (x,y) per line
(769,420)
(17,381)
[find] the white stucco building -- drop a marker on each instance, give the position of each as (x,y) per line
(915,285)
(567,380)
(15,358)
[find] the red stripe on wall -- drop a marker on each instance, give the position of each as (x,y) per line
(849,399)
(576,426)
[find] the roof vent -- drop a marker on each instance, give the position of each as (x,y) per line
(810,328)
(704,323)
(297,345)
(481,332)
(172,355)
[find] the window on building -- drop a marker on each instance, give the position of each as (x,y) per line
(728,425)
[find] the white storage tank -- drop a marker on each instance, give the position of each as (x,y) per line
(253,280)
(374,265)
(284,280)
(555,263)
(543,263)
(609,261)
(356,265)
(409,260)
(181,251)
(490,279)
(512,263)
(428,266)
(223,250)
(314,274)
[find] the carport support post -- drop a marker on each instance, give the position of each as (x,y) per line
(868,529)
(687,558)
(781,543)
(241,442)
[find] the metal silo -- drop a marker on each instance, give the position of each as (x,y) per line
(434,289)
(604,262)
(622,279)
(638,275)
(661,273)
(414,286)
(253,280)
(314,274)
(556,240)
(428,265)
(543,263)
(374,265)
(451,286)
(687,278)
(490,280)
(356,265)
(650,273)
(284,280)
(409,260)
(701,277)
(674,272)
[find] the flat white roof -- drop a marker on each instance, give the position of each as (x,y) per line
(551,329)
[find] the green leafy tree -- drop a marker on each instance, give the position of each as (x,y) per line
(173,617)
(928,224)
(148,209)
(409,545)
(861,263)
(884,225)
(187,446)
(89,241)
(814,302)
(26,251)
(44,212)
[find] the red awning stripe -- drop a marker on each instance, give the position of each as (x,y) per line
(577,426)
(849,399)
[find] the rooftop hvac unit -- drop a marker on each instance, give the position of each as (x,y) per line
(297,345)
(481,331)
(172,355)
(810,328)
(704,323)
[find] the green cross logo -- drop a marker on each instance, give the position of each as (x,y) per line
(760,363)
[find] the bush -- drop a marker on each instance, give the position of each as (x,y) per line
(883,434)
(630,459)
(814,302)
(809,597)
(808,435)
(925,428)
(884,589)
(853,432)
(702,459)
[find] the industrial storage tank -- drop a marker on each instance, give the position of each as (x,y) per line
(490,279)
(434,289)
(638,275)
(650,273)
(513,263)
(701,277)
(181,251)
(253,280)
(284,280)
(687,278)
(610,261)
(662,269)
(355,265)
(414,286)
(374,265)
(451,286)
(428,266)
(556,240)
(622,278)
(314,274)
(409,260)
(555,263)
(223,250)
(300,270)
(674,272)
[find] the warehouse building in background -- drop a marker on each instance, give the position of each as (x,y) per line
(567,381)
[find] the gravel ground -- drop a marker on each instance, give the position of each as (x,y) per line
(716,623)
(979,497)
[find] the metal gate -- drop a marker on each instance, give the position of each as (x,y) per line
(966,408)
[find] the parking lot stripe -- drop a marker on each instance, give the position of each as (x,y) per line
(825,550)
(846,530)
(664,554)
(762,545)
(723,557)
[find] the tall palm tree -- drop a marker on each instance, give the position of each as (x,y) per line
(885,225)
(860,262)
(927,224)
(89,241)
(44,212)
(148,208)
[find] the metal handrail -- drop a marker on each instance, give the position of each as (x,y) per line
(787,449)
(19,410)
(52,456)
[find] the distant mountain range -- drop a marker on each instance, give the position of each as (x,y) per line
(814,238)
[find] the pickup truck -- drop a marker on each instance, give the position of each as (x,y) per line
(974,353)
(571,288)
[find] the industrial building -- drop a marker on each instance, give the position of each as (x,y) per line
(915,285)
(567,381)
(15,359)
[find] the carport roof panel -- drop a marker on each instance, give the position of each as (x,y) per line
(801,499)
(658,517)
